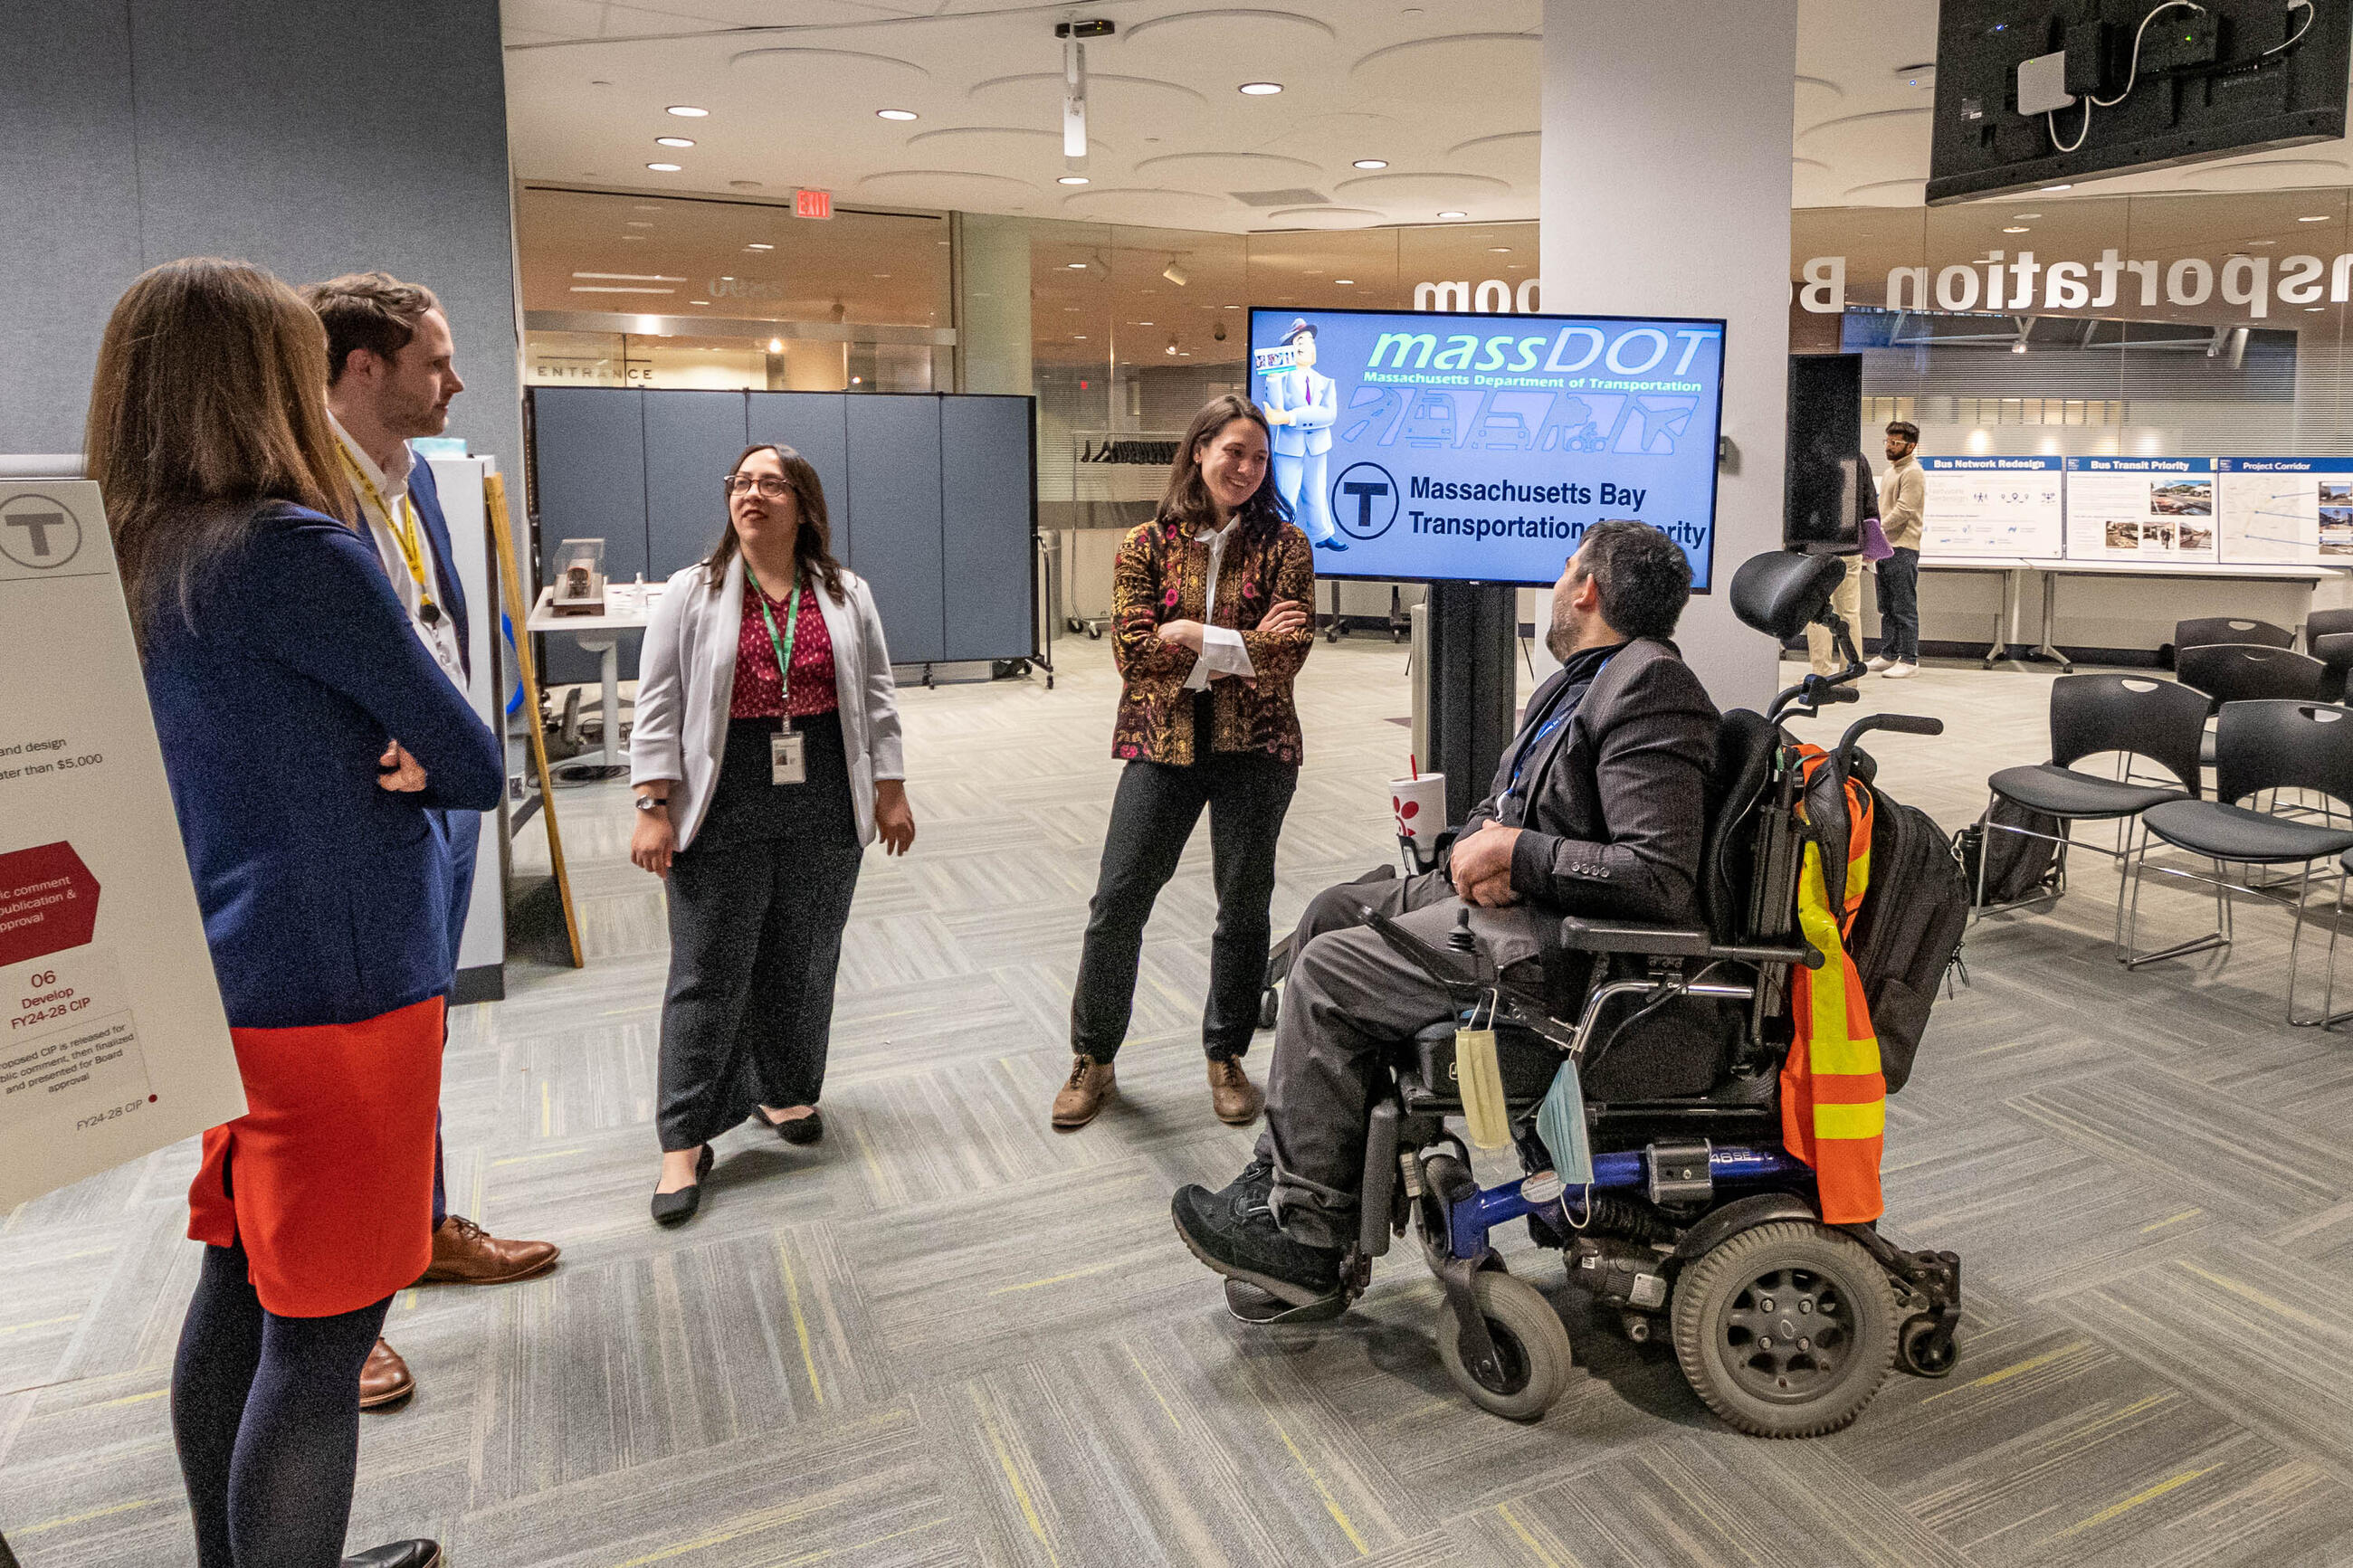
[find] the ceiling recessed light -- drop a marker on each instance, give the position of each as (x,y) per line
(2017,228)
(1260,88)
(688,111)
(756,245)
(1143,323)
(882,275)
(1450,213)
(1345,282)
(1071,180)
(1372,163)
(1499,250)
(673,141)
(697,301)
(2021,217)
(638,223)
(2316,217)
(664,168)
(2315,307)
(1078,266)
(894,114)
(1078,337)
(2068,187)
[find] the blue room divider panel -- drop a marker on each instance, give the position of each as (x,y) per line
(813,424)
(894,511)
(693,439)
(987,515)
(588,448)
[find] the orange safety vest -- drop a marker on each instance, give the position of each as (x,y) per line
(1833,1098)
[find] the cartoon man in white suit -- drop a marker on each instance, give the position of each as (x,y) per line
(1300,406)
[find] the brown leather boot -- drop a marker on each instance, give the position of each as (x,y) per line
(1232,1096)
(385,1379)
(1083,1092)
(466,1253)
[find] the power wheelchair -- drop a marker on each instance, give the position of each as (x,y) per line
(1696,1223)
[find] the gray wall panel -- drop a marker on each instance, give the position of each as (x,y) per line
(693,439)
(986,518)
(894,508)
(592,485)
(815,424)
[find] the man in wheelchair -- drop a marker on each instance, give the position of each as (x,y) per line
(1599,809)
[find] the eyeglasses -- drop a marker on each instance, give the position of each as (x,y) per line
(772,487)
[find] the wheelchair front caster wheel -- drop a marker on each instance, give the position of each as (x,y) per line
(1785,1330)
(1926,1348)
(1269,1007)
(1532,1349)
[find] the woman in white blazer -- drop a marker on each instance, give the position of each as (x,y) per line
(766,759)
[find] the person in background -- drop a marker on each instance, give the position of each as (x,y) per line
(1903,502)
(1209,628)
(390,377)
(767,757)
(306,733)
(1857,503)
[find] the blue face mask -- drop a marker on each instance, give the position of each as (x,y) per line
(1561,1123)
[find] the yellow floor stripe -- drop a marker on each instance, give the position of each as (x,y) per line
(39,1324)
(1059,1279)
(1503,1512)
(527,1159)
(2134,1501)
(2005,1373)
(131,1399)
(86,1518)
(1155,1391)
(2172,1219)
(2249,1293)
(1013,1479)
(1331,1504)
(800,1323)
(767,1522)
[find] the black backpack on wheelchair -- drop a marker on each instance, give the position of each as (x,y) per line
(1697,1222)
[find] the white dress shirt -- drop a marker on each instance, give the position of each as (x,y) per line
(440,640)
(1222,652)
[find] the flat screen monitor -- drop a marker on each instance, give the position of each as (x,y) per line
(1419,447)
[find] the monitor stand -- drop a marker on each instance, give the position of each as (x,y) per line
(1472,680)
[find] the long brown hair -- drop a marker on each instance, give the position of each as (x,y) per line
(812,541)
(1187,502)
(209,404)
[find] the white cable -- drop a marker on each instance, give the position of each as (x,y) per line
(2051,118)
(2308,14)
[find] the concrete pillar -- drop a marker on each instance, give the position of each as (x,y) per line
(1666,192)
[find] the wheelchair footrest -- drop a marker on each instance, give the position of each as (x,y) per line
(1250,1304)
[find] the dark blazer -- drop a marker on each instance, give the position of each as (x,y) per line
(426,493)
(326,897)
(1618,796)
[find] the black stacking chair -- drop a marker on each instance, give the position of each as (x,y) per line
(2159,720)
(2324,623)
(2335,652)
(2228,628)
(2266,745)
(2244,672)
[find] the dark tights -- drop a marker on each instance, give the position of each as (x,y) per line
(266,1411)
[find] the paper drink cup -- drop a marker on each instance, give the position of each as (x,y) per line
(1419,805)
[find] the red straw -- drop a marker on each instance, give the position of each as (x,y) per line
(1412,765)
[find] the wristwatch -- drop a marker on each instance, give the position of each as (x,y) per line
(652,803)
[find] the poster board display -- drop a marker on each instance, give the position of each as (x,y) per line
(1993,506)
(2141,511)
(2297,509)
(113,1040)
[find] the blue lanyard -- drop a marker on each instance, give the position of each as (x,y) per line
(1558,718)
(1533,747)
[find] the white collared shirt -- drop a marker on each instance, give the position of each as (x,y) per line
(440,640)
(1222,652)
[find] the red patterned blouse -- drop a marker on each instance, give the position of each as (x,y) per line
(757,693)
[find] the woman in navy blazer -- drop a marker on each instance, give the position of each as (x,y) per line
(306,733)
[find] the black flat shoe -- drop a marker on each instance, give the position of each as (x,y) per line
(399,1555)
(803,1130)
(669,1208)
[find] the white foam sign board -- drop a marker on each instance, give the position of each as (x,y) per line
(2141,511)
(1993,506)
(113,1040)
(2296,509)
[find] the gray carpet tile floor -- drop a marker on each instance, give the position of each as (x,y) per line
(950,1335)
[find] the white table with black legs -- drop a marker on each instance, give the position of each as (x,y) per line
(626,608)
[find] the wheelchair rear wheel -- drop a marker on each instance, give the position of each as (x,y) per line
(1785,1330)
(1530,1342)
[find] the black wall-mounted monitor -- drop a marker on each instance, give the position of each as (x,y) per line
(2138,84)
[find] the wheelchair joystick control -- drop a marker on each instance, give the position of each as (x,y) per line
(1460,939)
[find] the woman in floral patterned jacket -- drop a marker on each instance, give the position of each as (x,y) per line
(1209,614)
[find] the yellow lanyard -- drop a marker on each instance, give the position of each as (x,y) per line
(402,527)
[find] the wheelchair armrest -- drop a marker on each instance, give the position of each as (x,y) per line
(1674,942)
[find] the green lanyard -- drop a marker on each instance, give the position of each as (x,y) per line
(783,649)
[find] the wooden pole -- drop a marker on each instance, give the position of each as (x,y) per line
(494,495)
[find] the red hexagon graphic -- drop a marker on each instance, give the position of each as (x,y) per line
(48,902)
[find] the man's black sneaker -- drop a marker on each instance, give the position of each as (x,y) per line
(1254,1184)
(1234,1233)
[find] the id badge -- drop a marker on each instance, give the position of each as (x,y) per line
(788,758)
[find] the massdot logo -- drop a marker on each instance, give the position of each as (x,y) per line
(1364,500)
(38,533)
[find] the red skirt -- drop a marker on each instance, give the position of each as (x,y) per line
(328,1176)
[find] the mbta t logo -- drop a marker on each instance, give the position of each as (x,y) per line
(37,532)
(1364,500)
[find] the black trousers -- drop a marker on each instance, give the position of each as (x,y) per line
(757,904)
(1899,606)
(1151,817)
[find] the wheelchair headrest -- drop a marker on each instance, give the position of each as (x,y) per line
(1780,593)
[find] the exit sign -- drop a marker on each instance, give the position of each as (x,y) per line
(813,204)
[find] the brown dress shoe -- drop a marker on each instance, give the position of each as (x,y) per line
(466,1253)
(1231,1094)
(1082,1094)
(385,1379)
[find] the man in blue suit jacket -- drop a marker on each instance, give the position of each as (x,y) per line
(1301,404)
(391,374)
